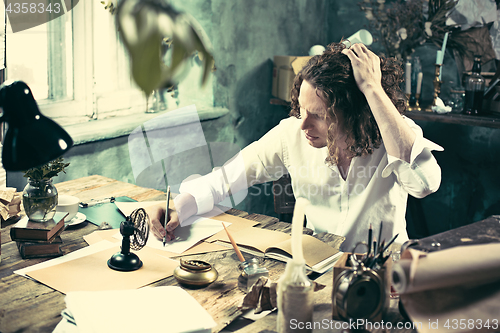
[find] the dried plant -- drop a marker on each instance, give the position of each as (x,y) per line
(47,171)
(405,24)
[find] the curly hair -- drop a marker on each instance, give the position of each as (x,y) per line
(331,73)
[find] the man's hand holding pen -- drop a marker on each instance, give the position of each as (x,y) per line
(157,217)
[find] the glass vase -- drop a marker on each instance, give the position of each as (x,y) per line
(40,199)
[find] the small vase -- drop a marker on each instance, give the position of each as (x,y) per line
(40,199)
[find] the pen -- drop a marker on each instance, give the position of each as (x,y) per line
(381,246)
(379,240)
(231,239)
(166,216)
(390,242)
(96,202)
(380,259)
(370,236)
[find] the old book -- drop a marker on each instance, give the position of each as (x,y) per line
(40,249)
(318,255)
(26,230)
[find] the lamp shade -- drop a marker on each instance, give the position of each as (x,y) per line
(31,139)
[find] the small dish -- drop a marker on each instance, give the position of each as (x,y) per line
(79,218)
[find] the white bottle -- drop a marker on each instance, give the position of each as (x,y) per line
(295,292)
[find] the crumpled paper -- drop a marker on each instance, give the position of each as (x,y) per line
(478,14)
(10,202)
(470,14)
(262,296)
(495,35)
(440,107)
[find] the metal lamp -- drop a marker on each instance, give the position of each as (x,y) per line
(31,138)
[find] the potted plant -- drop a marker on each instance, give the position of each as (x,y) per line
(40,195)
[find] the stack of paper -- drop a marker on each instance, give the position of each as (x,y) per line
(160,309)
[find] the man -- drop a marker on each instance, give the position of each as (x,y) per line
(346,147)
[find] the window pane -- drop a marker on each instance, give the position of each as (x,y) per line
(27,59)
(43,58)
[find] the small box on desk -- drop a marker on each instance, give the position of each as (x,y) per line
(284,70)
(385,277)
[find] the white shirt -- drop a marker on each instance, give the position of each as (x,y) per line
(376,187)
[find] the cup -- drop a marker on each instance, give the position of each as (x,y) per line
(68,203)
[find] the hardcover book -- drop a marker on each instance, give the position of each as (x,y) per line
(26,230)
(318,255)
(40,249)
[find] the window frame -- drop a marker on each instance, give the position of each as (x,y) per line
(81,105)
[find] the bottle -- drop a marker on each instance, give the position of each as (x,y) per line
(416,84)
(295,292)
(295,298)
(474,89)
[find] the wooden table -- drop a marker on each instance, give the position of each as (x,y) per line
(29,306)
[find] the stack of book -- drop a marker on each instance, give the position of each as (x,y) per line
(39,239)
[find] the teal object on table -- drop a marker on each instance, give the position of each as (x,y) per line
(106,212)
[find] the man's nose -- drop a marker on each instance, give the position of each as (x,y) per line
(306,122)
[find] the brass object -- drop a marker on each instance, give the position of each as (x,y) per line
(437,87)
(195,273)
(417,105)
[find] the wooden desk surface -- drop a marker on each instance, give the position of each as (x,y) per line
(29,306)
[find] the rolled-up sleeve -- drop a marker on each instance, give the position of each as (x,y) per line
(422,175)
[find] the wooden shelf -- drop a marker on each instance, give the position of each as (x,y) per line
(491,121)
(454,118)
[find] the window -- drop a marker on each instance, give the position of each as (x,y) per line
(79,70)
(41,56)
(75,66)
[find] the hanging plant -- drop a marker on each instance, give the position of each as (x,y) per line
(144,25)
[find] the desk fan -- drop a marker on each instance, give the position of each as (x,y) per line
(135,232)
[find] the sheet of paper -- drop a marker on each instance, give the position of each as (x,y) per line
(99,246)
(186,237)
(201,247)
(91,272)
(128,207)
(154,308)
(234,223)
(237,224)
(257,238)
(99,235)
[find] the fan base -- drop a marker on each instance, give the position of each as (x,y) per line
(124,262)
